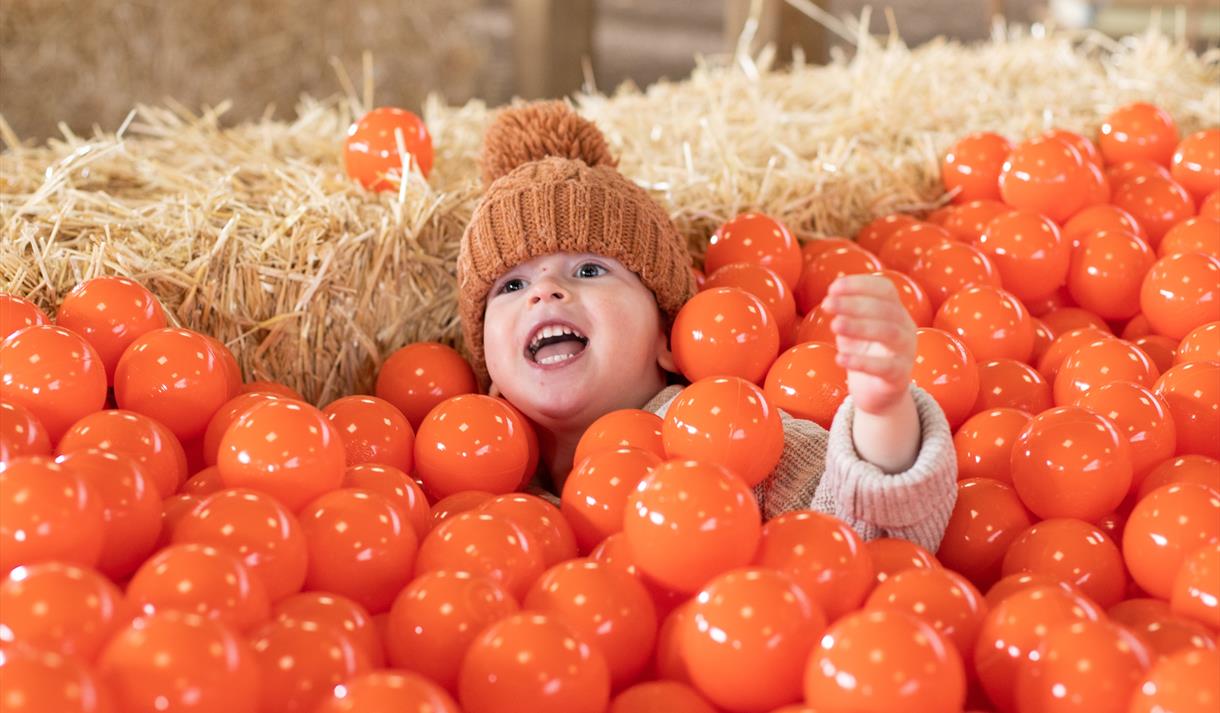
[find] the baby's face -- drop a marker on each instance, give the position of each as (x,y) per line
(571,336)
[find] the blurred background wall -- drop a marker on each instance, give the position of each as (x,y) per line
(87,62)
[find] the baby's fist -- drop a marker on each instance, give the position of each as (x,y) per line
(875,338)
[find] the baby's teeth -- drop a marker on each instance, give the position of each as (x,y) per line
(554,359)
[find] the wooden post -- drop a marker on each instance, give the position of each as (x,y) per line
(780,24)
(551,40)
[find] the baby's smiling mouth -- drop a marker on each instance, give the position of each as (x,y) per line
(554,343)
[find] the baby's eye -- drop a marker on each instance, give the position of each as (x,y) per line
(512,285)
(591,269)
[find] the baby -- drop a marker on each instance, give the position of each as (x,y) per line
(569,278)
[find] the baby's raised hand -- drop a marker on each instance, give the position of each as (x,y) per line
(875,338)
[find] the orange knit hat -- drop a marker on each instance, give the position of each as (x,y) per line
(551,187)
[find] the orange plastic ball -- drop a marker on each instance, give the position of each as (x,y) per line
(1042,341)
(1159,349)
(150,443)
(1029,251)
(1007,383)
(110,313)
(1166,526)
(389,692)
(605,606)
(435,618)
(725,331)
(815,327)
(949,268)
(1138,131)
(1192,391)
(1084,665)
(1100,362)
(625,428)
(286,449)
(54,373)
(331,611)
(373,431)
(1013,630)
(969,220)
(540,520)
(1133,169)
(728,422)
(616,550)
(1210,206)
(829,266)
(1196,163)
(200,579)
(402,491)
(1137,327)
(1182,469)
(821,244)
(972,166)
(372,153)
(1106,271)
(823,555)
(1201,344)
(873,236)
(359,546)
(1156,203)
(1181,292)
(38,681)
(60,608)
(1196,586)
(1165,632)
(1014,583)
(595,494)
(908,244)
(300,664)
(419,376)
(457,503)
(1071,462)
(946,370)
(271,387)
(17,313)
(986,518)
(1142,417)
(177,661)
(483,544)
(746,637)
(1065,345)
(1045,175)
(913,297)
(991,323)
(1063,319)
(944,600)
(892,555)
(1072,551)
(176,377)
(688,521)
(1199,234)
(758,239)
(764,284)
(48,512)
(1185,682)
(658,696)
(21,433)
(895,661)
(472,442)
(257,529)
(1100,218)
(807,382)
(532,662)
(226,416)
(984,443)
(131,507)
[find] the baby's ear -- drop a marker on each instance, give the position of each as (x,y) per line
(665,355)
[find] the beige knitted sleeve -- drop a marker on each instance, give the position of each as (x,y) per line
(821,470)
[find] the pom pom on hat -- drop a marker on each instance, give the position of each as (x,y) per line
(530,132)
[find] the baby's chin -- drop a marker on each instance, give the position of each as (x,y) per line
(552,403)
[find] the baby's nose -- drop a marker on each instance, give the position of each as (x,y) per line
(548,290)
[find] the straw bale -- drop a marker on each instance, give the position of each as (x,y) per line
(87,62)
(253,234)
